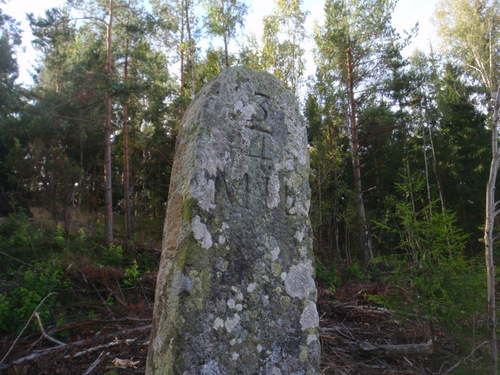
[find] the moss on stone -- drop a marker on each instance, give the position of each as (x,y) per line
(304,353)
(200,289)
(276,269)
(285,302)
(189,209)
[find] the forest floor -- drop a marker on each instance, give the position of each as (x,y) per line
(358,337)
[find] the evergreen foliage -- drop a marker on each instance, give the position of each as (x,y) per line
(431,277)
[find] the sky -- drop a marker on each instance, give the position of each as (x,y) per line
(406,15)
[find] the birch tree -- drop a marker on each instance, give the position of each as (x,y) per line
(470,34)
(284,34)
(223,18)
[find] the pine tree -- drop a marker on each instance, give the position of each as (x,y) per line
(354,44)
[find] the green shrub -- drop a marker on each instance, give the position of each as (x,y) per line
(60,236)
(327,274)
(132,273)
(18,303)
(113,255)
(355,272)
(19,239)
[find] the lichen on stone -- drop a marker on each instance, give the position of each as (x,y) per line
(232,322)
(309,317)
(299,281)
(218,323)
(201,233)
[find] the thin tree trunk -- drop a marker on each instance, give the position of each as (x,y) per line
(191,49)
(354,140)
(183,75)
(226,53)
(126,165)
(126,176)
(426,166)
(108,198)
(336,229)
(491,212)
(435,165)
(434,157)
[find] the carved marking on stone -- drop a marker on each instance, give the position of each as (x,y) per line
(258,121)
(261,146)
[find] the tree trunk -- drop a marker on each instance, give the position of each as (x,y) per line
(108,198)
(435,166)
(183,74)
(191,49)
(226,53)
(426,169)
(354,140)
(491,212)
(129,225)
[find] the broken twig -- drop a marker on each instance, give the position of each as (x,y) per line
(44,334)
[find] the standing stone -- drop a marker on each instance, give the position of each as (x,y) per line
(235,291)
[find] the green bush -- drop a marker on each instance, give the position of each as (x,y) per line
(355,272)
(113,255)
(132,273)
(19,239)
(327,274)
(18,303)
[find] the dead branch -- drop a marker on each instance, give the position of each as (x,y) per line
(113,343)
(144,294)
(366,308)
(95,363)
(103,301)
(40,353)
(19,260)
(44,334)
(464,359)
(125,319)
(116,296)
(395,350)
(98,347)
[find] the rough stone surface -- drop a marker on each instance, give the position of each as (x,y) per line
(235,291)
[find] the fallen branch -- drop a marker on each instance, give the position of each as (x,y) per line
(95,363)
(396,350)
(44,334)
(464,359)
(103,301)
(125,319)
(98,347)
(19,260)
(41,352)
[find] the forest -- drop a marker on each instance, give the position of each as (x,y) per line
(402,151)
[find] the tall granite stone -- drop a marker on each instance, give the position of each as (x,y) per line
(235,291)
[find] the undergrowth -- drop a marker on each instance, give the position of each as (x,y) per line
(80,275)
